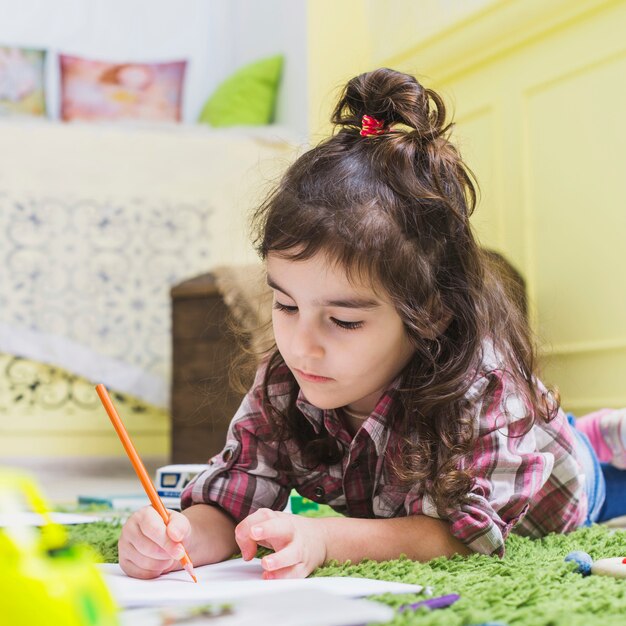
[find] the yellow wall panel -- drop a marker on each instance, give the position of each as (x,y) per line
(539,93)
(479,149)
(589,379)
(339,40)
(419,21)
(576,174)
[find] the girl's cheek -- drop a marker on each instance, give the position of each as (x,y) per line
(281,336)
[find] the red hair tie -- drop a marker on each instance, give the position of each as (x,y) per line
(372,126)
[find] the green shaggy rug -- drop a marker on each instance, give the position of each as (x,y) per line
(531,586)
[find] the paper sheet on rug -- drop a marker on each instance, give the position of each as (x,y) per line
(231,580)
(299,608)
(20,518)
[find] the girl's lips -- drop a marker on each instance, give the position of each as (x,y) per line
(312,377)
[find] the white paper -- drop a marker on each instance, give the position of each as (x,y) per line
(230,580)
(34,519)
(299,608)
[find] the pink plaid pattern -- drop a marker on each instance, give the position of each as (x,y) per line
(530,483)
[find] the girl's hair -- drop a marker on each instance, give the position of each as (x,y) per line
(393,209)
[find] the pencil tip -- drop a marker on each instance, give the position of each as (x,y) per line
(189,569)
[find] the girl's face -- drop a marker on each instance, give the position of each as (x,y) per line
(344,343)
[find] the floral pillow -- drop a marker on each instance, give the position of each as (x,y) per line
(22,81)
(98,90)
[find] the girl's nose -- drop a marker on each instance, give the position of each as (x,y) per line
(305,341)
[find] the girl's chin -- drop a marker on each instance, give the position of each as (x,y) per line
(321,400)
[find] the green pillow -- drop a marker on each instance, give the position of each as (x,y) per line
(248,97)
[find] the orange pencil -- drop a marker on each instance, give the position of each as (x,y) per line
(139,468)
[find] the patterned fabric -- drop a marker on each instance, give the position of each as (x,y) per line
(87,284)
(530,482)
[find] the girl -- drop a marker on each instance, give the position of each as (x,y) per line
(401,390)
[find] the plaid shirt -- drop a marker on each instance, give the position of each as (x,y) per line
(528,482)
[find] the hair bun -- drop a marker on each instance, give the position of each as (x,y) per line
(393,98)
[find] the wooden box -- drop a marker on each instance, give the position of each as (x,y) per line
(202,401)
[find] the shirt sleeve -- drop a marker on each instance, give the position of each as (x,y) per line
(508,466)
(242,477)
(510,469)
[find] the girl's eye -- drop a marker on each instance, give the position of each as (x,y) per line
(291,310)
(285,308)
(347,325)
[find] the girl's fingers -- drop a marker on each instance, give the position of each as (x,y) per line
(289,556)
(148,534)
(173,567)
(246,544)
(132,538)
(277,529)
(139,567)
(144,546)
(259,516)
(178,527)
(243,536)
(172,549)
(295,571)
(151,525)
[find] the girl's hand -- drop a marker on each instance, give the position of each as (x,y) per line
(299,543)
(149,548)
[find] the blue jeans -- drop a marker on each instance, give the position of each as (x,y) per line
(615,501)
(605,484)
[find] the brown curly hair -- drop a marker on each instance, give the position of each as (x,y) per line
(394,208)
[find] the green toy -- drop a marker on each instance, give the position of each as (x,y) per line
(299,504)
(43,579)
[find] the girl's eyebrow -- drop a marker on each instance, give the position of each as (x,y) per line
(348,303)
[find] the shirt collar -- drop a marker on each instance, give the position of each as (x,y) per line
(377,424)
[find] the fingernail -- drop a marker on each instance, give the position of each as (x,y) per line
(180,553)
(269,562)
